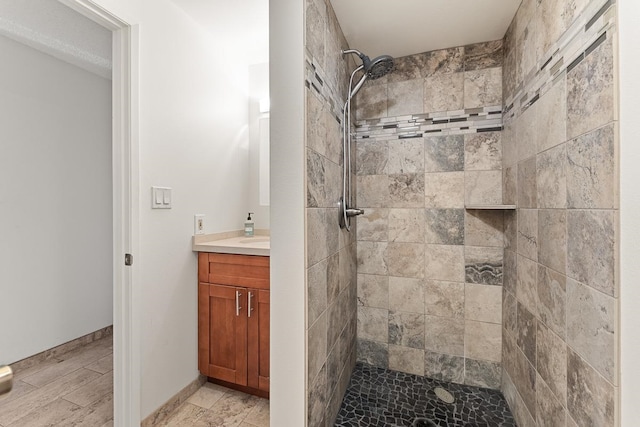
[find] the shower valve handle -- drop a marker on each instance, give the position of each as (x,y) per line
(354,212)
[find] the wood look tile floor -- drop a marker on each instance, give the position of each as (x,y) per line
(76,389)
(72,389)
(216,406)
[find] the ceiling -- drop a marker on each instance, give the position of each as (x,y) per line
(243,24)
(405,27)
(57,30)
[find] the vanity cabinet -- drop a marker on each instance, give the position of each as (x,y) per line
(233,320)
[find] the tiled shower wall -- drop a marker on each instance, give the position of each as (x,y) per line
(560,334)
(331,252)
(429,270)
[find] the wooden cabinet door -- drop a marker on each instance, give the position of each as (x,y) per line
(258,340)
(222,332)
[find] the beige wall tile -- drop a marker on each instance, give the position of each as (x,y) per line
(444,335)
(373,291)
(406,156)
(483,303)
(407,225)
(528,233)
(373,324)
(483,187)
(406,295)
(551,361)
(405,97)
(443,92)
(482,341)
(590,398)
(444,299)
(406,259)
(483,87)
(444,190)
(373,225)
(483,151)
(444,262)
(405,359)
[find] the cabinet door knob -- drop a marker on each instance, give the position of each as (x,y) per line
(238,308)
(250,309)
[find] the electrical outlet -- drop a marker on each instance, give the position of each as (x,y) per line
(198,224)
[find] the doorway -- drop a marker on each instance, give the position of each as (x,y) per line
(122,201)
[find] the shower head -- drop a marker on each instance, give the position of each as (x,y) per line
(379,67)
(374,69)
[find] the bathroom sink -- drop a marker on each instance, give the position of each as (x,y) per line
(255,240)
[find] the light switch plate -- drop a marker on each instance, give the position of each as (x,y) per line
(160,198)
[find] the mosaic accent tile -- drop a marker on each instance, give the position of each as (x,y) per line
(591,249)
(444,367)
(483,151)
(591,327)
(483,55)
(591,181)
(443,92)
(406,156)
(590,398)
(552,299)
(407,225)
(407,330)
(444,153)
(483,265)
(445,226)
(444,299)
(380,397)
(373,225)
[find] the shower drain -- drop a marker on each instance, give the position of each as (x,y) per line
(444,395)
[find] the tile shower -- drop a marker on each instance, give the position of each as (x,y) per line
(523,301)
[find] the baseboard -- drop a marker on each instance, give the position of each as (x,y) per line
(56,351)
(160,414)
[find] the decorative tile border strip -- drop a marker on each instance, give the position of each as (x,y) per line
(471,120)
(590,29)
(316,81)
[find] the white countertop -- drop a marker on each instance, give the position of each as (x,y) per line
(222,243)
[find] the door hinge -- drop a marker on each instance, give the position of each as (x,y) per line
(128,259)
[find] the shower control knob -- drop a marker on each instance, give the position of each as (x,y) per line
(354,212)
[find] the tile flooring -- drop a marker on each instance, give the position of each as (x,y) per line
(213,406)
(71,389)
(379,397)
(76,389)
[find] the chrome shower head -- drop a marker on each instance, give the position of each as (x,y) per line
(379,67)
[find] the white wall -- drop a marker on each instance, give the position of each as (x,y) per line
(288,196)
(193,120)
(55,202)
(629,64)
(258,89)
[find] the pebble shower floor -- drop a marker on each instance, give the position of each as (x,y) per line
(379,397)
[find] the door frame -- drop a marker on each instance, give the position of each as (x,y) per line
(125,169)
